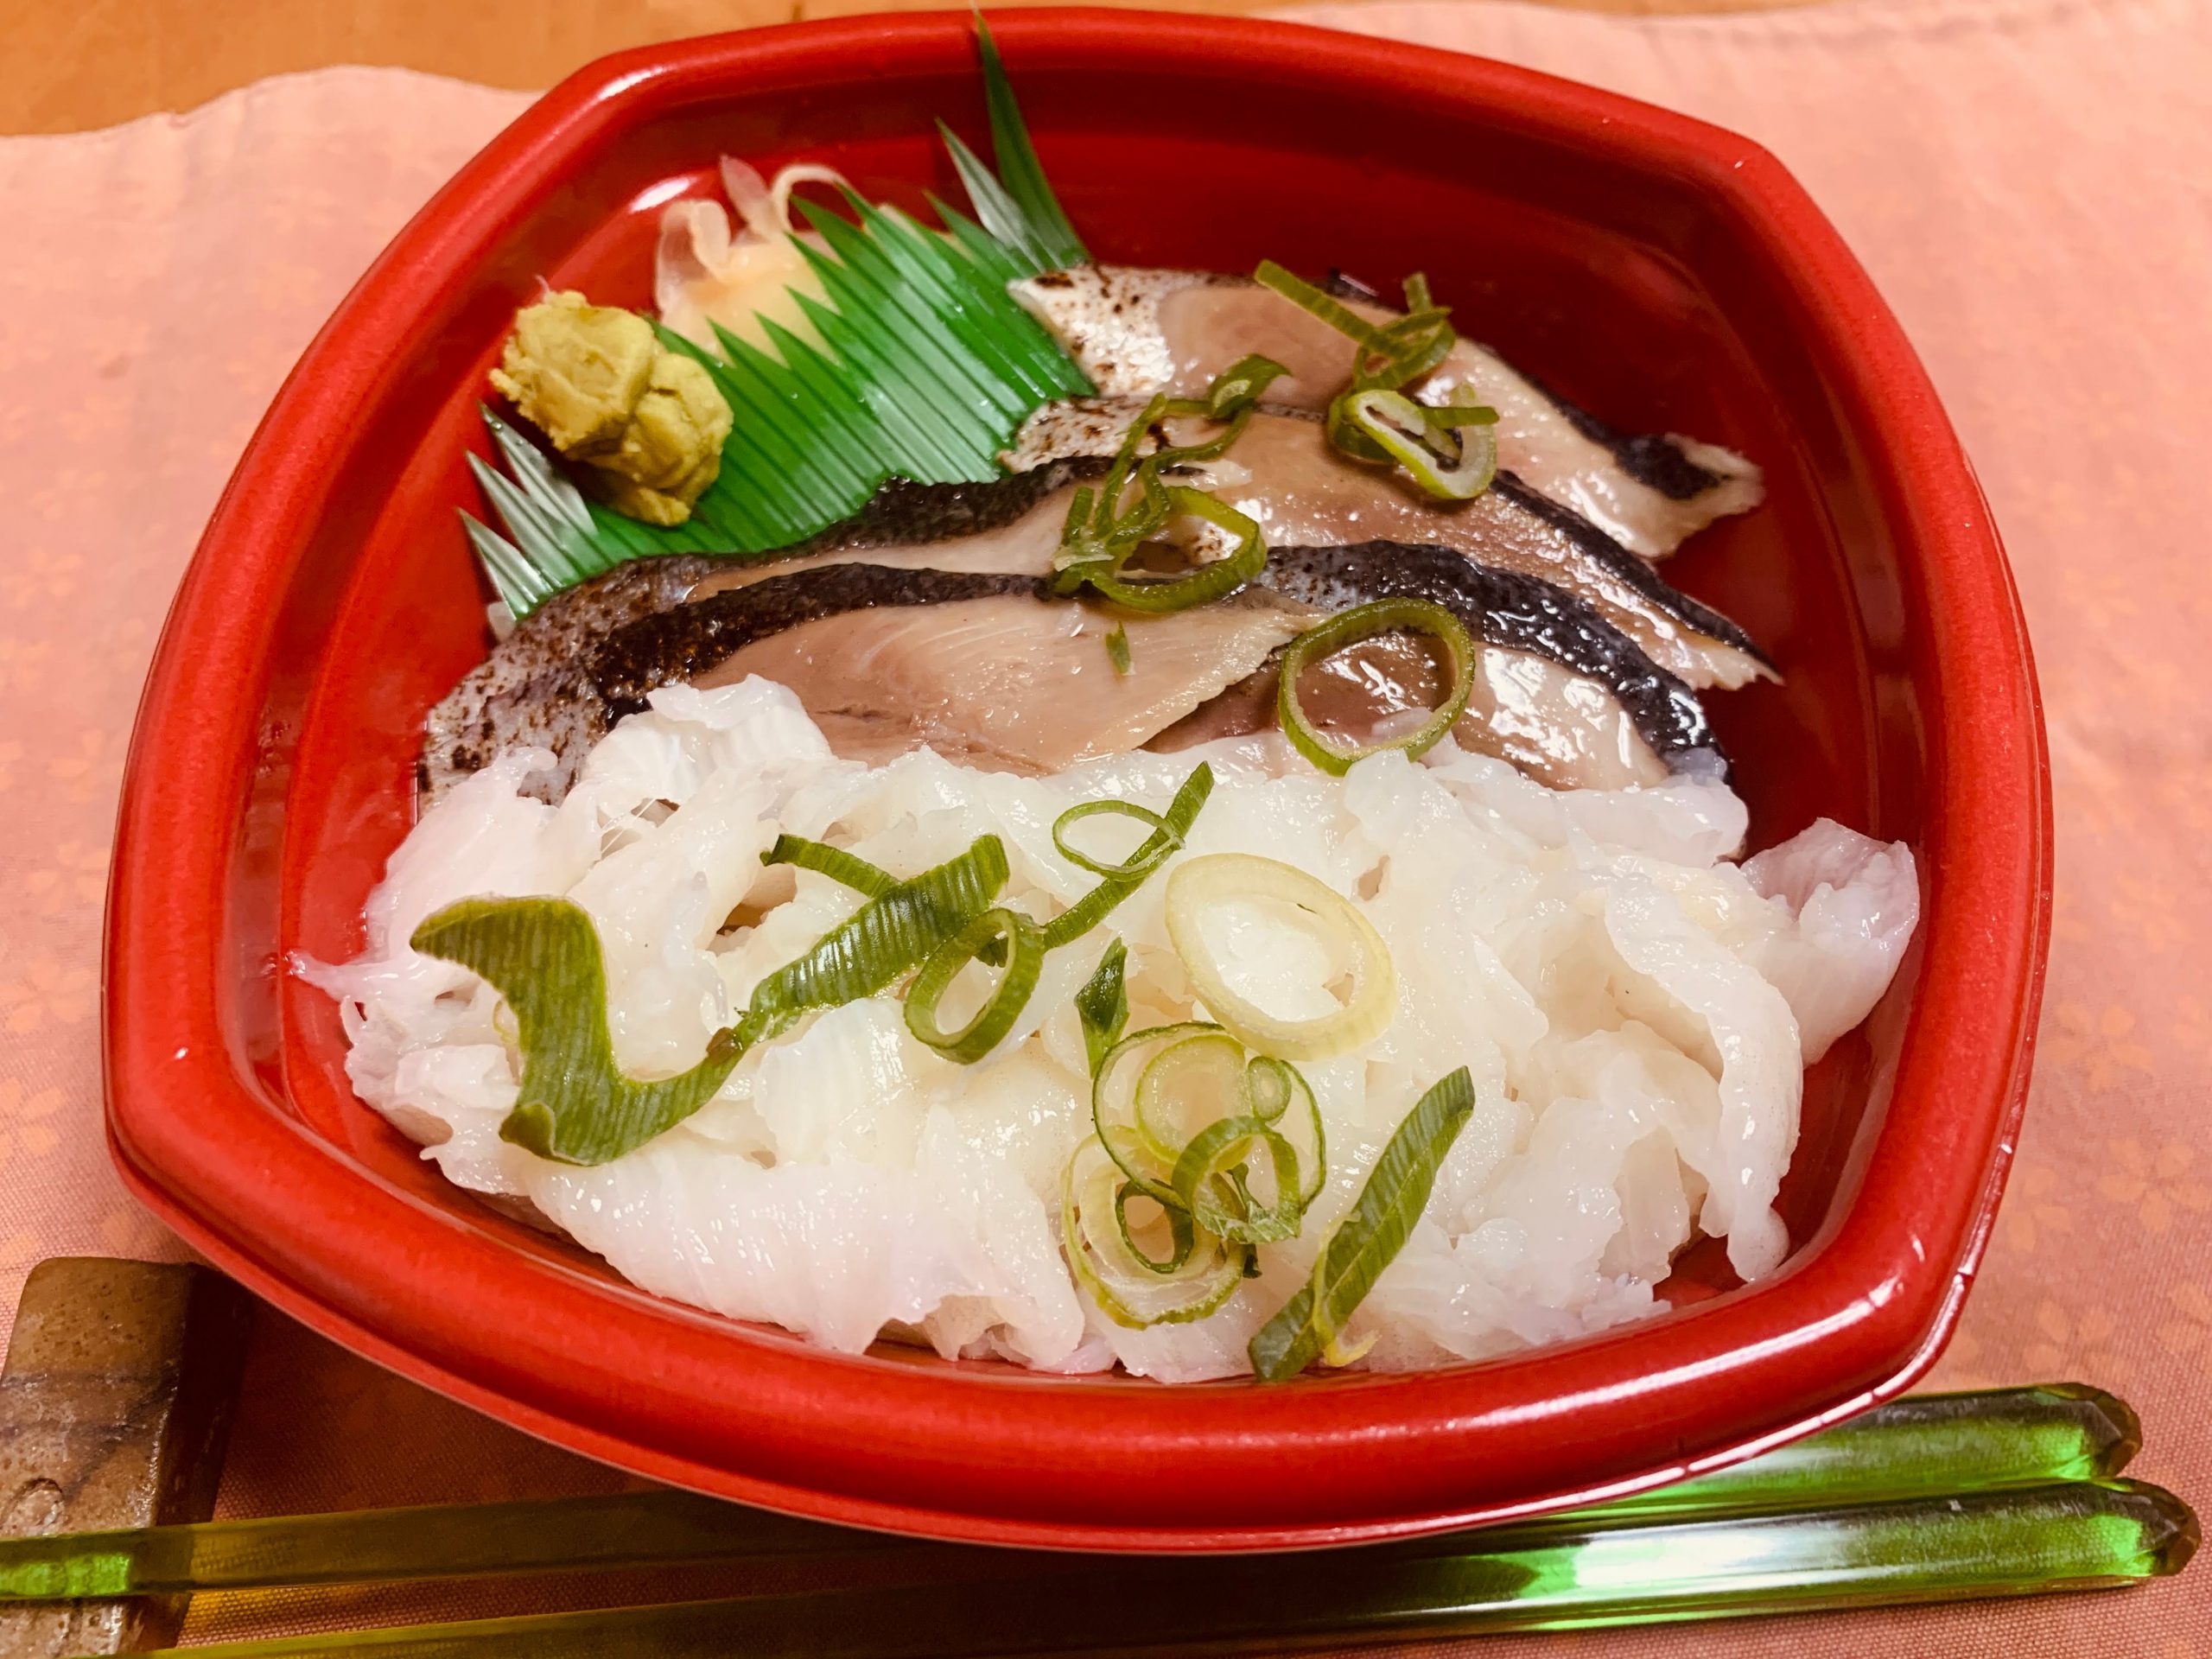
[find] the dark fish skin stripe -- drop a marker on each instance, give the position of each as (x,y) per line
(1700,618)
(685,639)
(902,513)
(1509,610)
(1653,461)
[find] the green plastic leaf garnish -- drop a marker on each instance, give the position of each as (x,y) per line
(1043,222)
(1103,1004)
(926,368)
(1369,1237)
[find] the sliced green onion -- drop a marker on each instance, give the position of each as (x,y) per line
(543,956)
(1117,648)
(1203,585)
(575,1104)
(1222,878)
(1274,1087)
(1178,1108)
(1369,1237)
(1188,1085)
(1215,1157)
(1331,310)
(888,936)
(849,869)
(1098,535)
(1103,1004)
(1157,847)
(1094,906)
(1372,420)
(1182,1231)
(1124,1280)
(1349,627)
(1114,1087)
(1451,454)
(1025,957)
(1237,387)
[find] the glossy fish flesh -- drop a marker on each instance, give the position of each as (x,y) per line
(1136,331)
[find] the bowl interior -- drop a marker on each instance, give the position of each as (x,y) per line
(1629,290)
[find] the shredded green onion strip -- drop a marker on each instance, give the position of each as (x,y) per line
(1449,451)
(848,869)
(1102,1005)
(1096,906)
(1099,534)
(1349,627)
(1024,955)
(575,1105)
(1368,1237)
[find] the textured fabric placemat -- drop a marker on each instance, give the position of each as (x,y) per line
(2026,178)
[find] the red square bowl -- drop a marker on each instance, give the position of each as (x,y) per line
(1668,274)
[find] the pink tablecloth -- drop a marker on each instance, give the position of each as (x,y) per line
(2028,182)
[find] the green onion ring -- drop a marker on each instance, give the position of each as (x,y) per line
(1079,917)
(1207,582)
(1182,1235)
(1452,455)
(1148,857)
(1127,1291)
(1211,1154)
(1169,1078)
(1349,627)
(1024,954)
(1271,1105)
(1282,1083)
(1114,1106)
(1199,884)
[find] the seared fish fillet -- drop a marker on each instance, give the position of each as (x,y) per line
(1136,331)
(1284,473)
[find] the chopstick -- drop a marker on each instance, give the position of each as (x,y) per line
(1925,1446)
(2069,1536)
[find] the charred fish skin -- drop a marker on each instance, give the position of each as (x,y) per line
(535,691)
(902,513)
(1623,564)
(1516,612)
(665,647)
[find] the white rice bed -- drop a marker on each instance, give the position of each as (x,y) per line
(1636,1012)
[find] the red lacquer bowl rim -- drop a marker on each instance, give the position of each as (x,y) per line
(959,1456)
